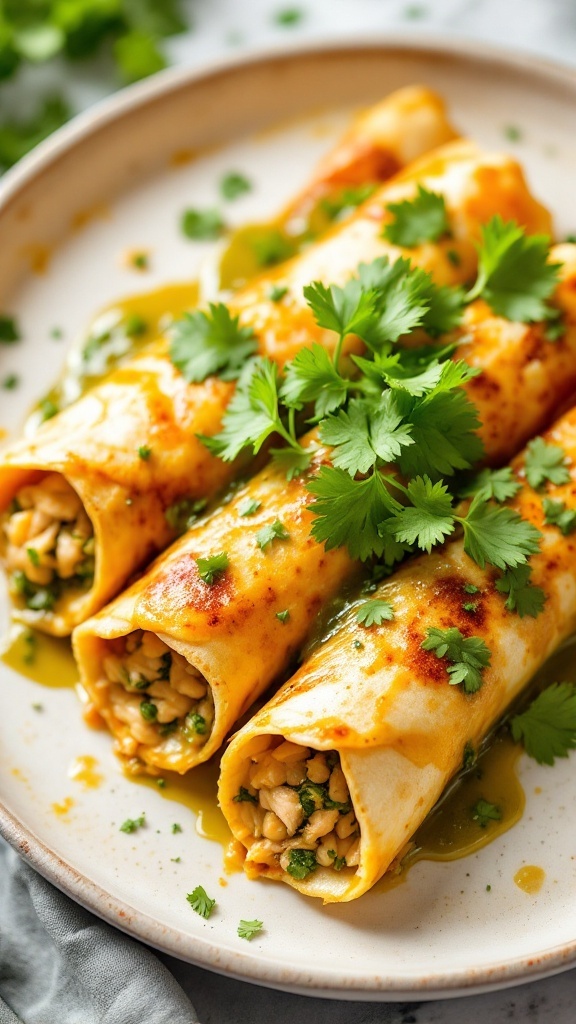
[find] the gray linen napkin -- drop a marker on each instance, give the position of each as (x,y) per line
(61,965)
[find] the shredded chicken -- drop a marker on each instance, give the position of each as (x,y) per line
(48,542)
(156,692)
(295,803)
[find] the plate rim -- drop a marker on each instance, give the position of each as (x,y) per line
(198,950)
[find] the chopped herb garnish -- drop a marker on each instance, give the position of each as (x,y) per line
(512,133)
(202,225)
(545,462)
(205,343)
(470,606)
(244,796)
(234,185)
(133,824)
(289,16)
(161,783)
(194,725)
(268,534)
(56,333)
(523,597)
(9,330)
(271,247)
(547,728)
(144,452)
(301,863)
(484,812)
(348,199)
(248,929)
(140,260)
(492,484)
(182,514)
(283,616)
(47,409)
(469,656)
(358,645)
(200,901)
(175,860)
(211,568)
(469,588)
(276,292)
(10,382)
(374,613)
(249,508)
(454,257)
(37,707)
(33,556)
(418,220)
(135,325)
(148,710)
(469,757)
(30,641)
(176,828)
(556,513)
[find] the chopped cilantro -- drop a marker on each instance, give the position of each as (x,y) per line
(289,16)
(10,382)
(244,796)
(301,863)
(200,901)
(545,462)
(194,725)
(513,133)
(283,616)
(469,756)
(48,409)
(271,247)
(135,325)
(484,812)
(523,597)
(9,330)
(469,588)
(341,203)
(140,260)
(358,645)
(418,220)
(202,225)
(33,556)
(248,929)
(276,292)
(547,728)
(204,343)
(133,824)
(144,452)
(374,613)
(161,783)
(182,514)
(268,534)
(176,828)
(234,185)
(469,656)
(514,275)
(211,568)
(556,513)
(249,508)
(470,606)
(148,710)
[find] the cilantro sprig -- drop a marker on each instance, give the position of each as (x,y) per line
(467,656)
(547,728)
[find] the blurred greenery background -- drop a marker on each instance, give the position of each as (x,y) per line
(118,40)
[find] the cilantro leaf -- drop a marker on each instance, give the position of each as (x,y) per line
(248,929)
(212,567)
(436,376)
(444,425)
(271,246)
(200,901)
(469,656)
(312,377)
(497,535)
(342,203)
(483,812)
(399,305)
(556,513)
(9,330)
(301,863)
(249,508)
(514,276)
(523,597)
(418,220)
(274,531)
(429,519)
(374,613)
(348,512)
(202,225)
(545,462)
(234,185)
(252,414)
(366,432)
(203,344)
(496,484)
(547,728)
(346,310)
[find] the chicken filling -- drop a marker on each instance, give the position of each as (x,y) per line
(156,693)
(48,543)
(296,805)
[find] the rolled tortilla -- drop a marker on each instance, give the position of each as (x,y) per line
(372,722)
(120,506)
(237,635)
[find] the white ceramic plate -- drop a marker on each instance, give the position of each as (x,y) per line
(441,932)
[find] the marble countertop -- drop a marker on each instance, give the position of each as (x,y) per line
(546,28)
